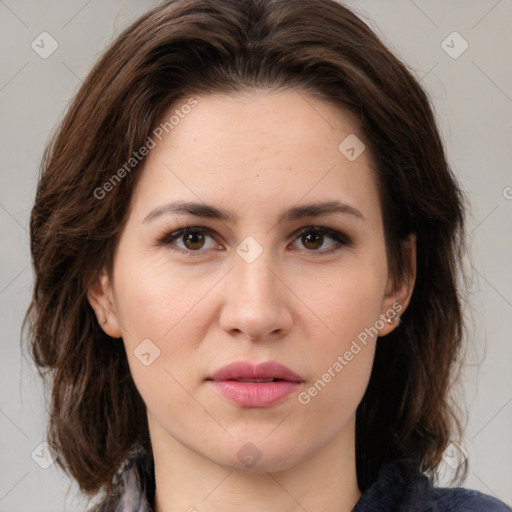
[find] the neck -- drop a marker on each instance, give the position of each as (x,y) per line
(324,482)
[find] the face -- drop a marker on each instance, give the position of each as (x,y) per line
(255,276)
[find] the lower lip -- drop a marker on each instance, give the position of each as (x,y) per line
(261,394)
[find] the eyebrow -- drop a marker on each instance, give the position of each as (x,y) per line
(212,212)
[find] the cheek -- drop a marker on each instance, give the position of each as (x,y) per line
(163,321)
(349,308)
(155,299)
(348,301)
(339,387)
(164,312)
(343,366)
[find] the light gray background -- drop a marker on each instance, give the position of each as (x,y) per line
(472,95)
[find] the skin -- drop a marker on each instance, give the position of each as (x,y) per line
(256,155)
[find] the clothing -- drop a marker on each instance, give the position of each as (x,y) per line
(398,488)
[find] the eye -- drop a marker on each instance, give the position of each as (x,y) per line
(314,237)
(192,239)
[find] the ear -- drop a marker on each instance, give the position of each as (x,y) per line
(399,290)
(101,298)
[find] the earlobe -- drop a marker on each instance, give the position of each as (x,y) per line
(100,297)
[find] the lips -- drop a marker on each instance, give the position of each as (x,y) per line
(249,385)
(244,371)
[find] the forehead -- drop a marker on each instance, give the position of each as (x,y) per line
(270,146)
(284,117)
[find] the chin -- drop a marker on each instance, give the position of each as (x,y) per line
(258,455)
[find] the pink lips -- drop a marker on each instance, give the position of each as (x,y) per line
(250,385)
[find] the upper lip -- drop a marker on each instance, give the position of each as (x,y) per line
(248,370)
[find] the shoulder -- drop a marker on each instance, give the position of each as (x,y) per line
(400,487)
(465,500)
(420,495)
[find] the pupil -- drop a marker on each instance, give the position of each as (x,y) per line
(314,239)
(194,238)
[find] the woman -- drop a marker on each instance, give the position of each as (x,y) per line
(246,240)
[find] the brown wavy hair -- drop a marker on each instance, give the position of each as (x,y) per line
(187,47)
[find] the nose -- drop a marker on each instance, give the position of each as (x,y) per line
(257,301)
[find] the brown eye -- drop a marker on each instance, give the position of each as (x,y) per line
(315,238)
(312,241)
(193,241)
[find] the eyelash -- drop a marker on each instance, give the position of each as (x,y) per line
(342,240)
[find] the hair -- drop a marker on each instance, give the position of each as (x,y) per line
(184,48)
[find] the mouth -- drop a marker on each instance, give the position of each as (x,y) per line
(255,381)
(245,371)
(248,385)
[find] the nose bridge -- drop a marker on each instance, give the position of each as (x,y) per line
(255,303)
(252,270)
